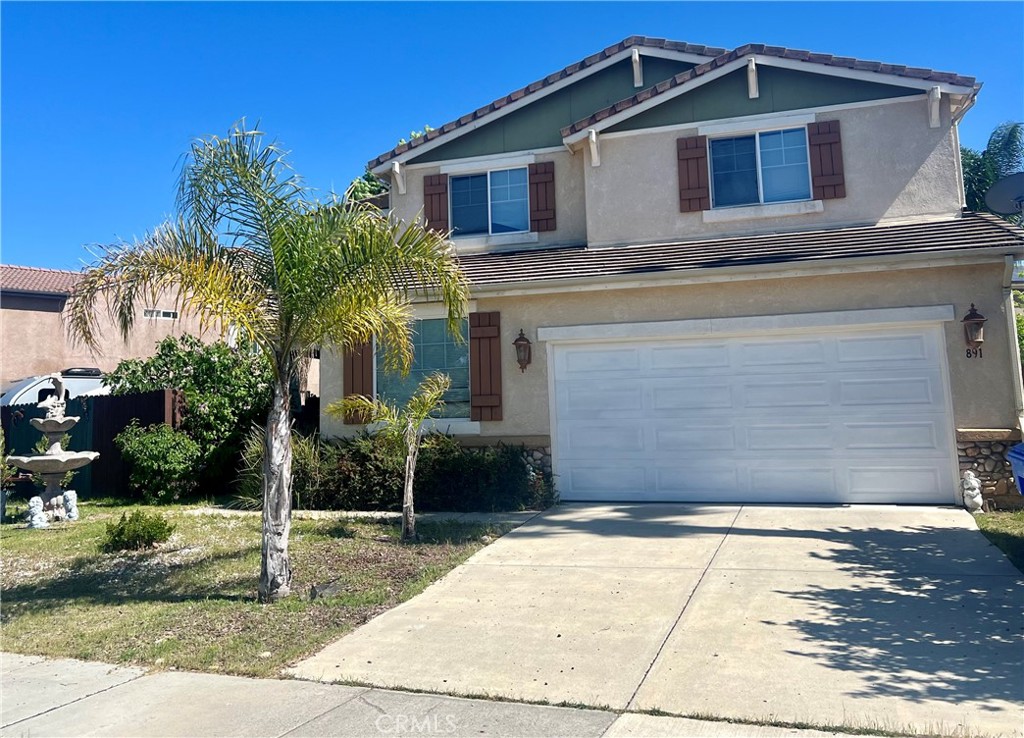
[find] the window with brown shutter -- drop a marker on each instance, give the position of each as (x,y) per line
(357,371)
(826,152)
(485,366)
(435,202)
(542,196)
(694,191)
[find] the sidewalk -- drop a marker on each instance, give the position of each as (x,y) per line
(42,697)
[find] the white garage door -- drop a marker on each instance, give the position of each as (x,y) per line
(845,416)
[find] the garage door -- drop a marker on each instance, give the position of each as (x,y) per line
(845,416)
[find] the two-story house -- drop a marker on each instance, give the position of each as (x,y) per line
(743,276)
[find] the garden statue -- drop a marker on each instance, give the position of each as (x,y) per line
(71,504)
(970,492)
(56,462)
(36,516)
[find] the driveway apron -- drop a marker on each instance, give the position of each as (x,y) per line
(881,617)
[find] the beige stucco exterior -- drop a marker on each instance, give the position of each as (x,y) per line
(982,389)
(896,167)
(35,341)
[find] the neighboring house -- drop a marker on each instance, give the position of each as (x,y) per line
(743,274)
(34,339)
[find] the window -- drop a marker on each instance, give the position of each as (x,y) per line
(495,202)
(434,350)
(760,168)
(161,314)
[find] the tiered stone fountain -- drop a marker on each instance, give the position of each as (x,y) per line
(52,503)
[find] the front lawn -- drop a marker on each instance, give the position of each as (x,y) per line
(191,604)
(1005,530)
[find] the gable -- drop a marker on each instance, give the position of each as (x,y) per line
(538,125)
(780,90)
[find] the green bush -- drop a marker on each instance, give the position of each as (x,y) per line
(138,531)
(363,473)
(226,390)
(162,461)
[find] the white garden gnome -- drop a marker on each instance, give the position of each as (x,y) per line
(36,516)
(970,492)
(71,504)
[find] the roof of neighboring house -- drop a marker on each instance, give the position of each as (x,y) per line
(533,87)
(846,62)
(717,58)
(972,231)
(37,279)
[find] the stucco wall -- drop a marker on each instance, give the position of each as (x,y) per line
(570,208)
(895,167)
(982,389)
(35,342)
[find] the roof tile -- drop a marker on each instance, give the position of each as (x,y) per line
(37,279)
(972,231)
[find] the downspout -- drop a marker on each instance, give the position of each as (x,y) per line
(1011,328)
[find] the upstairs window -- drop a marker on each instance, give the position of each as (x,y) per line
(495,202)
(760,168)
(161,314)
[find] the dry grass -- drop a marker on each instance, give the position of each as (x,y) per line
(191,604)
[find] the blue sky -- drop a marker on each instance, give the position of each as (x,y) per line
(99,100)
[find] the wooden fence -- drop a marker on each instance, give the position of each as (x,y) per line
(102,418)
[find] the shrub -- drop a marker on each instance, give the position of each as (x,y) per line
(226,390)
(162,461)
(363,473)
(138,531)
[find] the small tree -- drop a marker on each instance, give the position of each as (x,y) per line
(1003,156)
(402,429)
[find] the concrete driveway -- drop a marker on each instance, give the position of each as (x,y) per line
(885,617)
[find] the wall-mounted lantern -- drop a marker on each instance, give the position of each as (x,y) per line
(523,350)
(974,327)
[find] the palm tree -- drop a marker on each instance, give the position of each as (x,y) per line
(251,248)
(1003,156)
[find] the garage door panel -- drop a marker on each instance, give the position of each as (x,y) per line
(903,349)
(889,392)
(782,395)
(896,483)
(895,435)
(681,358)
(805,354)
(791,437)
(697,438)
(846,416)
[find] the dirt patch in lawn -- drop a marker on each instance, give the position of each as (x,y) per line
(191,604)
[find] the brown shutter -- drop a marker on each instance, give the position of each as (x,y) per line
(357,368)
(435,202)
(694,192)
(542,196)
(826,152)
(485,366)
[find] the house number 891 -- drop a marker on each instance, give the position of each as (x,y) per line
(974,353)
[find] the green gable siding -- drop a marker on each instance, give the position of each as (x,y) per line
(537,124)
(780,90)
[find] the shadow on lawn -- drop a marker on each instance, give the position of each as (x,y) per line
(154,576)
(918,612)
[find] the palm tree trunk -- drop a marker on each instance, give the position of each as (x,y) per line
(412,447)
(276,571)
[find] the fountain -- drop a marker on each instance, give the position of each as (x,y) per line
(52,504)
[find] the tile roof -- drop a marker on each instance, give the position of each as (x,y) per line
(626,43)
(972,231)
(780,52)
(37,279)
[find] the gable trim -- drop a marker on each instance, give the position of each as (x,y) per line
(624,109)
(484,159)
(754,121)
(456,132)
